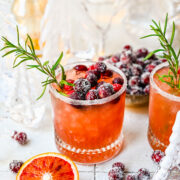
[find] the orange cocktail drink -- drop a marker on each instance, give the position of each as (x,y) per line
(163,106)
(89,131)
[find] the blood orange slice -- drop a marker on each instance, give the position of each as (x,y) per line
(48,166)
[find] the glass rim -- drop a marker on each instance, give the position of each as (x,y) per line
(90,102)
(159,90)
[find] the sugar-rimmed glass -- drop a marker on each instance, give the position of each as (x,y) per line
(163,107)
(89,131)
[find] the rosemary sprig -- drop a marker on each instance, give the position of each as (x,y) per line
(168,52)
(27,53)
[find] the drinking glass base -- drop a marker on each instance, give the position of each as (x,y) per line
(90,156)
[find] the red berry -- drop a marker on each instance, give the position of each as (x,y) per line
(101,67)
(143,174)
(117,87)
(119,165)
(125,57)
(163,60)
(150,67)
(15,166)
(118,80)
(131,177)
(134,81)
(92,94)
(143,52)
(136,69)
(70,92)
(82,85)
(127,48)
(92,67)
(80,68)
(107,74)
(147,89)
(97,73)
(145,77)
(77,95)
(67,87)
(105,90)
(92,78)
(101,59)
(179,71)
(115,59)
(116,174)
(157,156)
(20,137)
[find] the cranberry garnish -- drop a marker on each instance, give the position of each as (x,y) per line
(67,87)
(143,52)
(134,81)
(15,166)
(117,87)
(101,59)
(150,67)
(107,74)
(97,73)
(92,67)
(143,174)
(77,95)
(92,94)
(147,89)
(145,78)
(119,165)
(80,68)
(116,174)
(118,80)
(127,48)
(105,90)
(82,85)
(99,84)
(131,177)
(157,156)
(136,69)
(115,59)
(20,137)
(92,78)
(101,67)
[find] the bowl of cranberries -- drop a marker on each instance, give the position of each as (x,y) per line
(137,72)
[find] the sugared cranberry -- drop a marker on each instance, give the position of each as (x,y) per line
(131,177)
(119,165)
(101,67)
(127,48)
(92,78)
(125,57)
(134,81)
(118,80)
(140,61)
(101,59)
(145,77)
(121,65)
(82,85)
(105,90)
(143,52)
(99,84)
(20,137)
(67,87)
(147,89)
(92,94)
(127,72)
(15,166)
(97,73)
(77,95)
(136,69)
(150,67)
(107,74)
(115,59)
(117,87)
(136,90)
(80,68)
(92,67)
(157,156)
(116,174)
(143,174)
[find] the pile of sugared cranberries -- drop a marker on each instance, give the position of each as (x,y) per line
(92,86)
(15,166)
(20,137)
(137,70)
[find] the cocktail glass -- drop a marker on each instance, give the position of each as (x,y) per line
(89,131)
(164,104)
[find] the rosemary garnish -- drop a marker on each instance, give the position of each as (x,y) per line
(168,52)
(27,53)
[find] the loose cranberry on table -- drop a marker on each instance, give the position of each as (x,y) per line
(157,156)
(131,177)
(15,166)
(143,174)
(20,137)
(119,165)
(80,68)
(116,174)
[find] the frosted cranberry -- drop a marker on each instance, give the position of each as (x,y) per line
(134,81)
(143,52)
(140,61)
(77,95)
(92,78)
(115,59)
(80,68)
(119,165)
(135,90)
(131,177)
(125,57)
(15,166)
(92,94)
(150,67)
(127,72)
(147,89)
(143,174)
(121,65)
(92,67)
(82,85)
(116,174)
(107,74)
(101,67)
(101,59)
(20,137)
(99,84)
(145,77)
(117,87)
(118,80)
(157,156)
(105,90)
(67,87)
(136,69)
(127,48)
